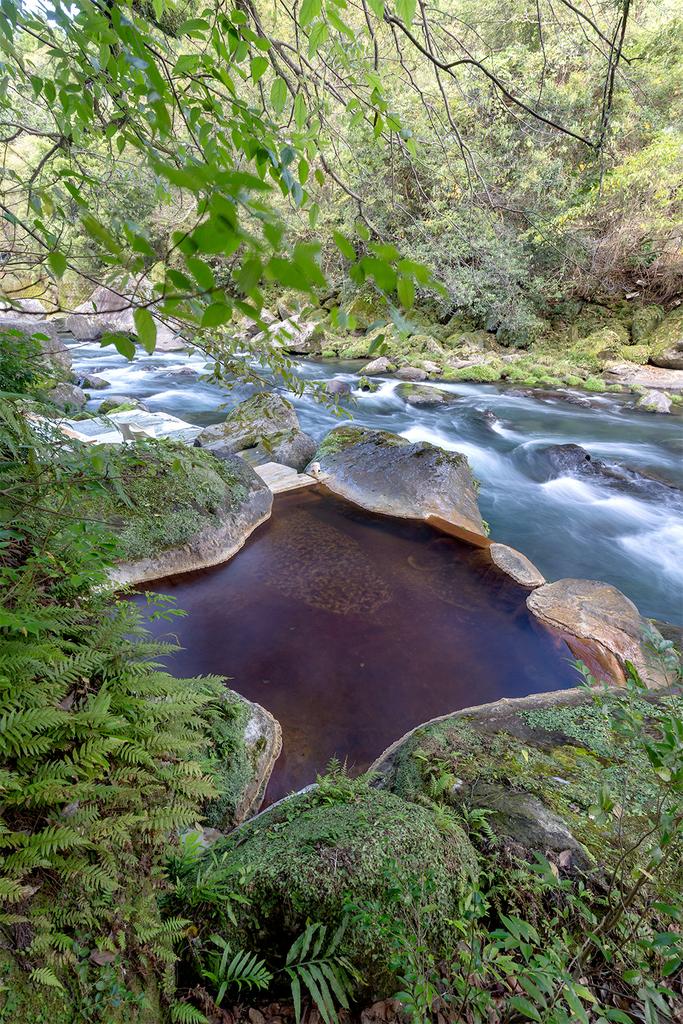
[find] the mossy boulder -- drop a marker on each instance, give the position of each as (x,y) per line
(261,416)
(537,765)
(478,373)
(246,743)
(176,509)
(636,353)
(667,341)
(385,473)
(292,448)
(601,345)
(424,397)
(645,320)
(307,858)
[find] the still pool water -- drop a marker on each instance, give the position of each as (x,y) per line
(352,628)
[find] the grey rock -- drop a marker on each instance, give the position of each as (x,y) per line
(654,401)
(114,401)
(386,473)
(378,366)
(108,311)
(292,448)
(260,416)
(338,387)
(424,397)
(92,382)
(414,373)
(51,343)
(67,396)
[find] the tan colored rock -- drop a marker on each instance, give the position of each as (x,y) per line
(378,366)
(637,376)
(600,624)
(516,565)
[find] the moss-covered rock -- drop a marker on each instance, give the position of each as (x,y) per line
(479,373)
(601,345)
(385,473)
(308,857)
(645,320)
(261,416)
(667,341)
(537,764)
(176,508)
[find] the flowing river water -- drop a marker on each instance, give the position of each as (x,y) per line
(631,537)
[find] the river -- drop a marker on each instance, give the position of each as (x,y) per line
(569,526)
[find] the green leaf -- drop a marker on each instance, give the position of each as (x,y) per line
(215,314)
(201,271)
(406,10)
(278,95)
(310,9)
(146,329)
(123,344)
(259,66)
(344,245)
(377,6)
(523,1006)
(57,263)
(300,110)
(319,35)
(406,292)
(575,1005)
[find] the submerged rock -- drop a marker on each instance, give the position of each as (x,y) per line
(385,473)
(424,397)
(91,382)
(557,460)
(119,403)
(597,620)
(185,510)
(261,416)
(339,387)
(516,565)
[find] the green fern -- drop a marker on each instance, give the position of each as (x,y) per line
(327,976)
(242,970)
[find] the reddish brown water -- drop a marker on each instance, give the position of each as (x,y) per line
(353,628)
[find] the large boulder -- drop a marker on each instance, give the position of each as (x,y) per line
(45,333)
(667,341)
(300,337)
(307,857)
(67,397)
(654,401)
(292,448)
(261,416)
(111,310)
(385,473)
(246,742)
(600,625)
(338,387)
(536,765)
(184,510)
(412,373)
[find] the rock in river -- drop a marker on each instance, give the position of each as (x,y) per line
(262,416)
(385,473)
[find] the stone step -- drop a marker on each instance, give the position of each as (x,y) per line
(283,478)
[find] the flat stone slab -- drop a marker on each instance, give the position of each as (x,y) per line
(125,426)
(516,565)
(283,478)
(597,617)
(636,375)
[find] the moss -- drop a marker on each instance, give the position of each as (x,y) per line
(230,763)
(594,384)
(636,353)
(561,754)
(345,437)
(307,857)
(645,320)
(480,373)
(668,333)
(171,492)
